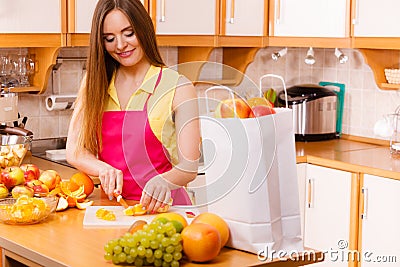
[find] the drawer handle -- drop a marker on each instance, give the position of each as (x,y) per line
(310,195)
(364,191)
(231,19)
(162,19)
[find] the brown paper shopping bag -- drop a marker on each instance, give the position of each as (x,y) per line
(251,180)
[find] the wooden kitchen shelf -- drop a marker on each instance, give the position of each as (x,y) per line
(379,60)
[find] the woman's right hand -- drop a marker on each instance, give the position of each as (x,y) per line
(111,181)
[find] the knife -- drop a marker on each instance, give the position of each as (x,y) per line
(121,201)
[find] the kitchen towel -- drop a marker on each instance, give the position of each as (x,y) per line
(60,102)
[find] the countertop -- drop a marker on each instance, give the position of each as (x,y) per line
(62,240)
(350,156)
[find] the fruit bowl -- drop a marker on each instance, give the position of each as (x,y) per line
(13,149)
(26,210)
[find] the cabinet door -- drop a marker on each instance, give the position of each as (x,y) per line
(83,15)
(21,16)
(310,18)
(380,222)
(376,18)
(245,18)
(327,211)
(301,178)
(186,17)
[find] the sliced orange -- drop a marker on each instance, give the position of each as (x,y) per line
(84,205)
(62,204)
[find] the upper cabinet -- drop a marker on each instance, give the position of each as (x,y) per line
(185,22)
(23,27)
(322,23)
(243,23)
(375,24)
(80,13)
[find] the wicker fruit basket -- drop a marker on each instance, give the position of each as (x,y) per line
(392,76)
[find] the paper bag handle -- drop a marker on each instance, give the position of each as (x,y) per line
(278,77)
(219,87)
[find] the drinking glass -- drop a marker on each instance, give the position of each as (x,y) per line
(25,67)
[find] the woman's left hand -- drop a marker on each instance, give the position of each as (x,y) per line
(156,193)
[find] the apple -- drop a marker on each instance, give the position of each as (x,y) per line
(38,187)
(261,110)
(3,191)
(225,108)
(12,176)
(50,178)
(31,171)
(20,190)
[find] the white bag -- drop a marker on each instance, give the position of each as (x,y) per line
(250,168)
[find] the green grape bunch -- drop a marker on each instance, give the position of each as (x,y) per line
(156,244)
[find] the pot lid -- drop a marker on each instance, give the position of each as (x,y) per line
(304,92)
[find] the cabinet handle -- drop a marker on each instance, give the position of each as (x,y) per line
(231,19)
(355,19)
(277,11)
(162,19)
(364,191)
(310,195)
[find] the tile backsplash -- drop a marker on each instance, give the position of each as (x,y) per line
(364,104)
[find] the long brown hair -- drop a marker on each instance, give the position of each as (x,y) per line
(101,66)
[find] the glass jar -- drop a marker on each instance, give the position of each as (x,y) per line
(395,138)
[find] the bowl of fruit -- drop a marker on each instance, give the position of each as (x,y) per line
(27,210)
(13,149)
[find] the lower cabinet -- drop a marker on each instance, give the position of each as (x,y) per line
(326,197)
(379,231)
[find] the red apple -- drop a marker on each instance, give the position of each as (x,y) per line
(261,110)
(50,178)
(225,109)
(41,190)
(31,171)
(12,176)
(20,190)
(38,187)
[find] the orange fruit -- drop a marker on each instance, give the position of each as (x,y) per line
(201,242)
(73,186)
(138,225)
(172,216)
(81,178)
(217,222)
(71,201)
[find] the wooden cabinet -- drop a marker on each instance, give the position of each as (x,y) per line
(379,221)
(185,22)
(327,195)
(310,23)
(24,24)
(376,18)
(243,23)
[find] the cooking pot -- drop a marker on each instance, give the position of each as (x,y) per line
(317,110)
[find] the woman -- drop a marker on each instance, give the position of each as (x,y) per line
(135,123)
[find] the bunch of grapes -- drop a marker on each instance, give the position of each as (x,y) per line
(157,244)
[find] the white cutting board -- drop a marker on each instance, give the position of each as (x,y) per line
(123,221)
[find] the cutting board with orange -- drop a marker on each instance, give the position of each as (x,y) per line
(123,221)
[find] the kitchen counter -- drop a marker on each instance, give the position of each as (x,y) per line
(350,156)
(62,240)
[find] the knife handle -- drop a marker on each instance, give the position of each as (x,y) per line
(121,201)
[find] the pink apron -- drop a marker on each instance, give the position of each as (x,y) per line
(130,145)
